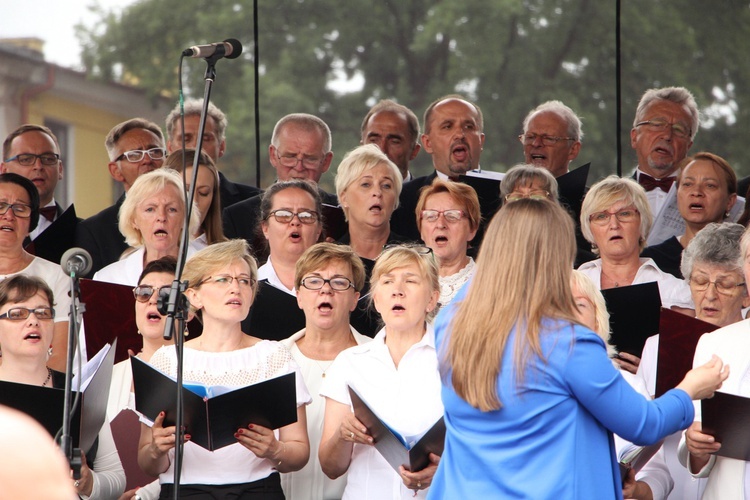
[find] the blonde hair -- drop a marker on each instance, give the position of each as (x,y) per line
(588,289)
(217,256)
(534,241)
(321,254)
(606,193)
(402,256)
(358,161)
(145,186)
(212,225)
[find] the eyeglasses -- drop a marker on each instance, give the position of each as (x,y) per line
(291,161)
(547,140)
(338,284)
(534,195)
(660,125)
(420,249)
(285,216)
(224,280)
(19,209)
(603,218)
(21,313)
(451,216)
(725,286)
(143,293)
(137,155)
(29,159)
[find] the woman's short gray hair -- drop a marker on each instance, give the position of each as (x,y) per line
(715,244)
(524,175)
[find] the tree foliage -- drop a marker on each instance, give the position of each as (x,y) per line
(507,55)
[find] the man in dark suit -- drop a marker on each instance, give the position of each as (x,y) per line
(214,144)
(34,152)
(393,128)
(135,147)
(453,137)
(300,149)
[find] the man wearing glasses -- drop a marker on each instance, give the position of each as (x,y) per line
(551,137)
(134,147)
(300,149)
(33,151)
(664,127)
(214,144)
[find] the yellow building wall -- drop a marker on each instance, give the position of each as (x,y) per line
(92,187)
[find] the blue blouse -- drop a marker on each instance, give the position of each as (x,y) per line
(552,438)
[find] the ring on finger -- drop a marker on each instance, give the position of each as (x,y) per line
(419,485)
(351,435)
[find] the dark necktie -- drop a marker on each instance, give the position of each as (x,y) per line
(649,183)
(48,213)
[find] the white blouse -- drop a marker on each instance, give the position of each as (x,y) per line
(406,397)
(233,464)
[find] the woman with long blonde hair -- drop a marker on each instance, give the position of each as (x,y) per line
(530,396)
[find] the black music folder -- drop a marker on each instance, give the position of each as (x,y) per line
(633,315)
(572,188)
(45,404)
(678,336)
(725,417)
(392,446)
(274,315)
(334,222)
(213,417)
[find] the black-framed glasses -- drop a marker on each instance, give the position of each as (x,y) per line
(420,249)
(725,286)
(285,216)
(337,283)
(548,140)
(224,280)
(143,293)
(533,195)
(29,159)
(21,313)
(603,218)
(137,155)
(661,125)
(452,215)
(19,209)
(291,161)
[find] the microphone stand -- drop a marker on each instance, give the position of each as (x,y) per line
(176,305)
(76,311)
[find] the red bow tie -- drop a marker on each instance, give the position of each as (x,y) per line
(48,213)
(649,183)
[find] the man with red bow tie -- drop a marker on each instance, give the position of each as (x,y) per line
(33,151)
(665,125)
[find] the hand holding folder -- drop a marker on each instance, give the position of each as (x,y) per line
(394,447)
(212,418)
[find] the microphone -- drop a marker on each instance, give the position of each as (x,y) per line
(76,261)
(230,48)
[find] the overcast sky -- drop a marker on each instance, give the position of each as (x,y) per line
(53,22)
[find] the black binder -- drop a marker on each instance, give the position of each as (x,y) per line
(633,315)
(212,421)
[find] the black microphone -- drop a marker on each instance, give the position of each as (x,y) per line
(230,48)
(76,261)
